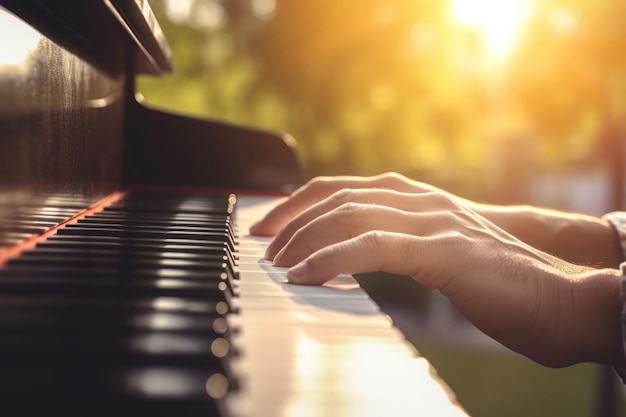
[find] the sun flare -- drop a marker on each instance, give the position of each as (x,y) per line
(499,22)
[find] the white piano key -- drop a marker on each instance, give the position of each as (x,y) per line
(320,350)
(277,274)
(307,318)
(351,373)
(250,250)
(270,283)
(348,304)
(256,263)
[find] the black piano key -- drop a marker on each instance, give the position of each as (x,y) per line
(58,202)
(209,262)
(23,229)
(107,350)
(107,324)
(138,252)
(122,260)
(127,317)
(155,391)
(222,232)
(113,338)
(36,216)
(129,221)
(100,355)
(145,234)
(50,212)
(156,249)
(204,229)
(152,242)
(175,204)
(76,241)
(119,269)
(11,237)
(113,286)
(39,223)
(102,303)
(158,216)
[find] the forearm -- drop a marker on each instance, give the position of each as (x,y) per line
(576,238)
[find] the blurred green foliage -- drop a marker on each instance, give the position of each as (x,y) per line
(367,86)
(501,383)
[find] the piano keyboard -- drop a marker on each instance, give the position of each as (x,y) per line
(163,305)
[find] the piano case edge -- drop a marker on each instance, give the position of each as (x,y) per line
(163,148)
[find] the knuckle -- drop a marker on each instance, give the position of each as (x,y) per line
(302,238)
(318,182)
(373,240)
(392,180)
(442,199)
(351,218)
(349,211)
(374,243)
(343,196)
(407,253)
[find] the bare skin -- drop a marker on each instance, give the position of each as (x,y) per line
(522,275)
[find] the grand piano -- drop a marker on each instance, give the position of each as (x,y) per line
(128,283)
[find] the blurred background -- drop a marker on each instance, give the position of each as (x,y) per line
(504,101)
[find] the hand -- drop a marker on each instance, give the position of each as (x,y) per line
(573,237)
(554,312)
(321,187)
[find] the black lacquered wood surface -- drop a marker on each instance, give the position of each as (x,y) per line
(130,322)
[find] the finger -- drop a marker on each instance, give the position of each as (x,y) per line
(372,251)
(380,197)
(321,187)
(351,220)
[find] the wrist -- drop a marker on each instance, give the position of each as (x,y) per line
(596,328)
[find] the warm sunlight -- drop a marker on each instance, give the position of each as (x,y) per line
(19,41)
(499,22)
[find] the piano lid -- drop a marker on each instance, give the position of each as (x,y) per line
(64,70)
(86,28)
(72,132)
(137,17)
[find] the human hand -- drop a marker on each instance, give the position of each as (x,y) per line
(319,188)
(554,312)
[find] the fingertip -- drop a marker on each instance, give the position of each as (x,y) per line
(304,273)
(269,252)
(297,273)
(277,257)
(252,230)
(260,228)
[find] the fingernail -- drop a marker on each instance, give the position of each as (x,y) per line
(297,273)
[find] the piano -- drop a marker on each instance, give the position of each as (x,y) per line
(128,283)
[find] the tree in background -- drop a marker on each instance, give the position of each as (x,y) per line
(372,85)
(569,77)
(384,84)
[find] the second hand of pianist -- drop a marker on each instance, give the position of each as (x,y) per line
(544,283)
